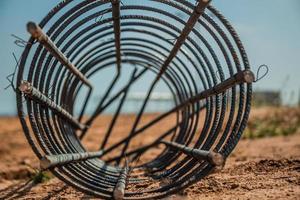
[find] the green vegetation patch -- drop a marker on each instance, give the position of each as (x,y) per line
(42,177)
(275,122)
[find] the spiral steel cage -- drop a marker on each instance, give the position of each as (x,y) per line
(188,45)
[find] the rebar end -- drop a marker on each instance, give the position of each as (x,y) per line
(204,3)
(119,193)
(34,29)
(45,163)
(216,159)
(25,87)
(249,76)
(245,76)
(115,1)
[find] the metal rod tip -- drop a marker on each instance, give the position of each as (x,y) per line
(115,1)
(216,159)
(34,29)
(249,76)
(45,163)
(25,87)
(119,193)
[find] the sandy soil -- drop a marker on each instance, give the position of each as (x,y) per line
(266,168)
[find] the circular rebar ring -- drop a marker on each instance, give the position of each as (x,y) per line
(191,48)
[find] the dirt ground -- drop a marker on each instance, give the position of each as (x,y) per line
(267,168)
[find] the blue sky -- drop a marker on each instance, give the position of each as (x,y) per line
(269,29)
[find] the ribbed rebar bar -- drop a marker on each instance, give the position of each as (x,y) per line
(33,93)
(198,11)
(213,158)
(48,162)
(38,34)
(119,190)
(116,21)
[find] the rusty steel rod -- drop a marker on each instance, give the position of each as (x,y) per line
(198,11)
(119,190)
(33,93)
(245,76)
(50,161)
(212,157)
(86,100)
(38,34)
(117,32)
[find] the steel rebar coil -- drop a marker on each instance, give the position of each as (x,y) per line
(85,32)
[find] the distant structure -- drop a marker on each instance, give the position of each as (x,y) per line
(267,98)
(160,102)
